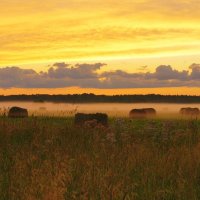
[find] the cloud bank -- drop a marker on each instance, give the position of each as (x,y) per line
(61,75)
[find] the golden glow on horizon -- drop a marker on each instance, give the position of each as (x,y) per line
(76,90)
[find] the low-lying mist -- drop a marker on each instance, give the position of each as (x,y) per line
(112,109)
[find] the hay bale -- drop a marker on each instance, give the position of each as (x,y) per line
(17,112)
(142,113)
(99,118)
(189,111)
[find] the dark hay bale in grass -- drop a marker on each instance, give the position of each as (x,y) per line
(142,113)
(99,118)
(150,111)
(190,111)
(17,112)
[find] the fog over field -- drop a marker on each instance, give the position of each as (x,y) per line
(113,109)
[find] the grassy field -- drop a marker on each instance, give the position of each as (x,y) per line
(51,159)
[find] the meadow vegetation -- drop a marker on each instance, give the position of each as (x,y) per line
(48,158)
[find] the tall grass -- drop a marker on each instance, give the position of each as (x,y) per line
(51,159)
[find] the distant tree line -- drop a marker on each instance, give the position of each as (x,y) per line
(92,98)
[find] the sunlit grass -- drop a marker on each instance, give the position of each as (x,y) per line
(50,158)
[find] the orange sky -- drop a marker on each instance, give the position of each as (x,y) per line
(124,34)
(75,90)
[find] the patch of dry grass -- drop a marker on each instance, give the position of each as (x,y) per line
(49,158)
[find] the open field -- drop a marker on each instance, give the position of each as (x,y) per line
(112,109)
(50,159)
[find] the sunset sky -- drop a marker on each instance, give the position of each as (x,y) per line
(100,46)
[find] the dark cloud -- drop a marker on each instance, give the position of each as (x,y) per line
(15,76)
(79,71)
(195,74)
(165,72)
(87,75)
(121,73)
(61,65)
(164,76)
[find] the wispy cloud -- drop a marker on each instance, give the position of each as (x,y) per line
(35,31)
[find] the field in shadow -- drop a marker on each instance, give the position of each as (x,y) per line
(49,158)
